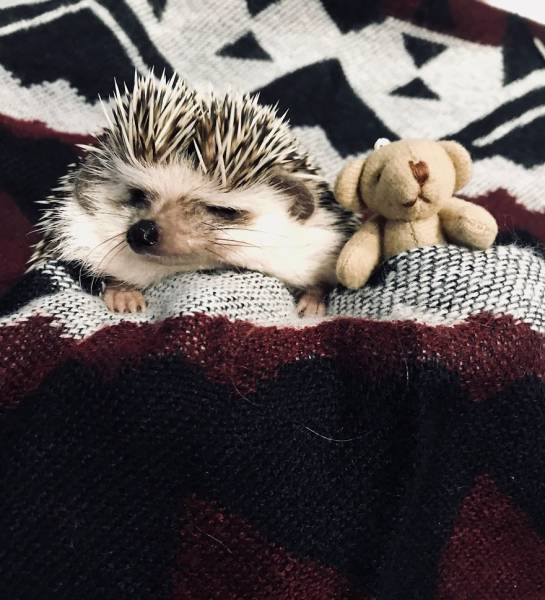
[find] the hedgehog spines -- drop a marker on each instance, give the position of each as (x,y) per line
(231,138)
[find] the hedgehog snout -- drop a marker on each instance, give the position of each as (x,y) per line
(142,236)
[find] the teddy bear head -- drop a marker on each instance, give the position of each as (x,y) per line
(405,180)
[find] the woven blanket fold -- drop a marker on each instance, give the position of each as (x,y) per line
(217,446)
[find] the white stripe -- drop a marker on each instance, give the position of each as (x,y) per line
(498,172)
(436,285)
(506,128)
(99,11)
(540,46)
(42,19)
(124,40)
(13,3)
(55,103)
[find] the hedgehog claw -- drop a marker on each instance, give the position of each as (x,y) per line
(123,300)
(311,304)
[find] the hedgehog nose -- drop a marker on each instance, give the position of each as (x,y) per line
(142,235)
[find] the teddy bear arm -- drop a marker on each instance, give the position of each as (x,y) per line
(468,224)
(360,255)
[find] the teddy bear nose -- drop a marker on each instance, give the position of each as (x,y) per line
(420,171)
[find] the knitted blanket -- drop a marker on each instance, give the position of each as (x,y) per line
(216,446)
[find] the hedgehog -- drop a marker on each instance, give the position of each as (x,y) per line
(178,181)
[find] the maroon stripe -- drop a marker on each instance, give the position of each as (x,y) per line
(28,352)
(487,353)
(38,130)
(222,556)
(469,19)
(511,215)
(14,241)
(494,552)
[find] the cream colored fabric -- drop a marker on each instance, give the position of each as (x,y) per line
(409,185)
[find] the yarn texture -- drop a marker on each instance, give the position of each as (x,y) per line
(217,446)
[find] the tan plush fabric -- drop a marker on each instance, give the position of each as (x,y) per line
(399,236)
(360,255)
(346,186)
(409,185)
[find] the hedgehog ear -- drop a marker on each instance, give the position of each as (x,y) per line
(302,200)
(347,183)
(461,159)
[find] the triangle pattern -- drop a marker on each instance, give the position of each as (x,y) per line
(245,46)
(496,544)
(158,7)
(353,16)
(81,66)
(421,50)
(416,89)
(319,95)
(520,54)
(256,6)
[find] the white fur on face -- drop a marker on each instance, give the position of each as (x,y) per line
(301,253)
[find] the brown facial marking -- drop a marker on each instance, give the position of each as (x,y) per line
(302,205)
(420,171)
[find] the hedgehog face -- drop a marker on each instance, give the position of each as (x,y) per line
(139,216)
(175,217)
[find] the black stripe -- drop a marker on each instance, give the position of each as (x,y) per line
(98,468)
(27,11)
(31,168)
(505,113)
(30,287)
(131,25)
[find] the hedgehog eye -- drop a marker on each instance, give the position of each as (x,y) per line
(224,212)
(138,198)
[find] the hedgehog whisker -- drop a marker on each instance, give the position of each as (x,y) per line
(122,243)
(253,231)
(235,244)
(214,254)
(120,246)
(93,250)
(108,254)
(232,249)
(212,227)
(238,242)
(231,228)
(104,212)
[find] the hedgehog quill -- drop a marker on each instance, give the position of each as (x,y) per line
(177,182)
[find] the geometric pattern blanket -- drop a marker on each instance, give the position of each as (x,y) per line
(218,447)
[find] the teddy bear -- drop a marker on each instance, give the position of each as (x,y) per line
(408,188)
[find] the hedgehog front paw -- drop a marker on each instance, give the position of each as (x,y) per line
(311,304)
(123,300)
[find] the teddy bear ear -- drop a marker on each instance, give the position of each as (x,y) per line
(461,160)
(346,185)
